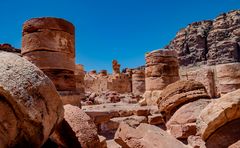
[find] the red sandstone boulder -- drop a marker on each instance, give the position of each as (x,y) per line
(218,113)
(183,122)
(145,136)
(179,93)
(30,105)
(78,129)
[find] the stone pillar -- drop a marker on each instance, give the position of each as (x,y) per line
(162,69)
(79,75)
(116,67)
(138,82)
(49,43)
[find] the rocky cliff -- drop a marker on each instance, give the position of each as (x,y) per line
(209,42)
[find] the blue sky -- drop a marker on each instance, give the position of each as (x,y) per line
(112,29)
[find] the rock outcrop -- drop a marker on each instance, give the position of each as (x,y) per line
(204,45)
(30,105)
(212,42)
(8,48)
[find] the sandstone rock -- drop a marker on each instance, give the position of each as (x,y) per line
(222,41)
(196,142)
(116,67)
(203,74)
(191,43)
(225,136)
(79,123)
(103,141)
(112,144)
(145,136)
(218,113)
(156,119)
(49,40)
(138,82)
(36,24)
(235,145)
(51,60)
(213,42)
(228,77)
(8,48)
(179,93)
(30,101)
(71,97)
(79,76)
(183,122)
(64,80)
(161,69)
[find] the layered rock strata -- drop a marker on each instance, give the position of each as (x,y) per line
(49,43)
(214,42)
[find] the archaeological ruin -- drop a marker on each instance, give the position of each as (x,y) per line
(187,95)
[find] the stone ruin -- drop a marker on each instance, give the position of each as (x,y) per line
(188,94)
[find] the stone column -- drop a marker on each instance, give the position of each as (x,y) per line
(79,75)
(49,43)
(162,69)
(138,82)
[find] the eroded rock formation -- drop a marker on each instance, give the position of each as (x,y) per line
(209,43)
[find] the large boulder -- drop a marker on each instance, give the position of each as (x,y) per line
(30,105)
(218,113)
(76,130)
(183,122)
(179,93)
(145,136)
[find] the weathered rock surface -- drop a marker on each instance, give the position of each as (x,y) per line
(179,93)
(225,136)
(8,48)
(204,74)
(228,77)
(213,42)
(77,128)
(30,105)
(161,70)
(145,136)
(218,113)
(36,24)
(183,122)
(138,82)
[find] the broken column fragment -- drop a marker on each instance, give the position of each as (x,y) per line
(30,105)
(49,43)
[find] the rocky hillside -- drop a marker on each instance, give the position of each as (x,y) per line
(209,42)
